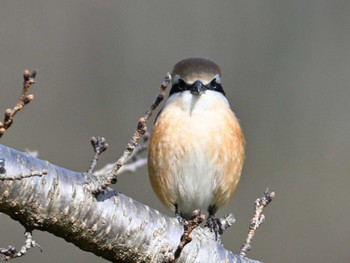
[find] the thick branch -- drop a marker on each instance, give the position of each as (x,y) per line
(112,225)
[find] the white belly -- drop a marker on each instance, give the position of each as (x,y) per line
(195,179)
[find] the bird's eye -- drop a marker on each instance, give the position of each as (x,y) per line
(182,84)
(213,84)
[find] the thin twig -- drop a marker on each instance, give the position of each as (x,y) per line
(98,184)
(29,80)
(21,175)
(134,162)
(257,220)
(100,145)
(189,226)
(127,167)
(11,252)
(141,126)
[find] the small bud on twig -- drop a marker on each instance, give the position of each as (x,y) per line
(8,112)
(28,99)
(23,100)
(26,75)
(257,219)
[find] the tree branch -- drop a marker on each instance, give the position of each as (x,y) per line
(80,207)
(111,225)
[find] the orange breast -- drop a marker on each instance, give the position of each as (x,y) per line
(196,158)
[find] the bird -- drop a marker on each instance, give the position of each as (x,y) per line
(197,147)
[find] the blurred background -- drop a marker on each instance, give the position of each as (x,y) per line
(286,74)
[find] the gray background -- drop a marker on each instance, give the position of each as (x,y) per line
(285,71)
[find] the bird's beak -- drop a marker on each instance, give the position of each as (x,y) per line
(197,88)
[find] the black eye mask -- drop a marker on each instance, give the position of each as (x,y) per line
(197,87)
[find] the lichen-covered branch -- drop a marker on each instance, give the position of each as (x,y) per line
(110,225)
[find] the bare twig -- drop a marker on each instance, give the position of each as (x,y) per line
(128,167)
(142,126)
(98,184)
(134,162)
(257,220)
(189,226)
(11,252)
(4,177)
(140,148)
(100,145)
(29,80)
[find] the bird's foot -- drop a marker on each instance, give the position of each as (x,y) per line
(219,225)
(214,225)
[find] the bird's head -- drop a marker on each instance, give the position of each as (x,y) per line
(196,75)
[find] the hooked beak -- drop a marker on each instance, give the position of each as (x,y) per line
(197,88)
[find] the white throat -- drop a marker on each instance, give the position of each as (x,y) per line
(189,102)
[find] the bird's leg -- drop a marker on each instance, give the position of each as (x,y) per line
(214,223)
(178,214)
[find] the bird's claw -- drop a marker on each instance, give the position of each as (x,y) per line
(214,224)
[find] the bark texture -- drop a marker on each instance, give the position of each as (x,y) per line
(46,197)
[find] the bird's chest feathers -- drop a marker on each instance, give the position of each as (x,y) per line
(194,128)
(195,145)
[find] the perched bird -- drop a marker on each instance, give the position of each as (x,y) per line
(196,150)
